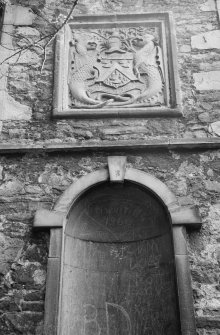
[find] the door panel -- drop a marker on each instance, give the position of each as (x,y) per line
(118,273)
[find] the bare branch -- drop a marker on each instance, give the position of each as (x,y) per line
(25,48)
(37,12)
(7,48)
(50,37)
(45,56)
(69,15)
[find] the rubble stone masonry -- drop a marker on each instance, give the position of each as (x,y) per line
(35,177)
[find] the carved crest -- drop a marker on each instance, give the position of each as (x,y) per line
(118,67)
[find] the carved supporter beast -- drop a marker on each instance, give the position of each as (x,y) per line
(115,68)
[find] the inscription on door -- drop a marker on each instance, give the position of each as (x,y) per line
(118,266)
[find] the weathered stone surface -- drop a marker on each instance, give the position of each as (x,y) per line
(207,40)
(36,180)
(123,130)
(210,66)
(187,175)
(11,188)
(53,179)
(207,81)
(1,172)
(82,133)
(39,277)
(213,186)
(214,128)
(33,189)
(218,7)
(29,273)
(27,31)
(10,108)
(207,331)
(207,321)
(28,57)
(24,322)
(13,110)
(18,15)
(9,250)
(204,117)
(185,48)
(208,6)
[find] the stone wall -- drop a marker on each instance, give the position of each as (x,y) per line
(32,182)
(36,179)
(26,87)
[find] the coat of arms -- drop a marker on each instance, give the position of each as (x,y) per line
(115,68)
(119,65)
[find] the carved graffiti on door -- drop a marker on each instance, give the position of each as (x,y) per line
(118,273)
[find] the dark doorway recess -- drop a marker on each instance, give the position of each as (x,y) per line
(118,275)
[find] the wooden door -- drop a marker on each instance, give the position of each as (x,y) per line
(118,275)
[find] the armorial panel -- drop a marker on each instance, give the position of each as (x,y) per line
(116,65)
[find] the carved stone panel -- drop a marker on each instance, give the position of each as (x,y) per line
(121,65)
(118,275)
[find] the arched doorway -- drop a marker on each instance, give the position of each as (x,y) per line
(118,274)
(129,281)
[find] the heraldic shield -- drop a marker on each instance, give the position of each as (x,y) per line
(116,65)
(116,68)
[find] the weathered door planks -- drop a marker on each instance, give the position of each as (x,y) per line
(118,265)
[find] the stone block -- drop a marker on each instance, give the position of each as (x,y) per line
(208,40)
(208,6)
(9,249)
(13,110)
(39,277)
(185,48)
(18,15)
(28,31)
(218,255)
(3,75)
(27,57)
(212,186)
(212,66)
(24,322)
(1,172)
(9,15)
(204,117)
(208,321)
(6,39)
(214,128)
(32,306)
(10,188)
(82,133)
(218,7)
(123,130)
(33,189)
(207,81)
(45,218)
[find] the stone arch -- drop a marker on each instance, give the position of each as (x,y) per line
(66,200)
(179,218)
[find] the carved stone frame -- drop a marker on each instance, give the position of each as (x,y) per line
(56,220)
(172,91)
